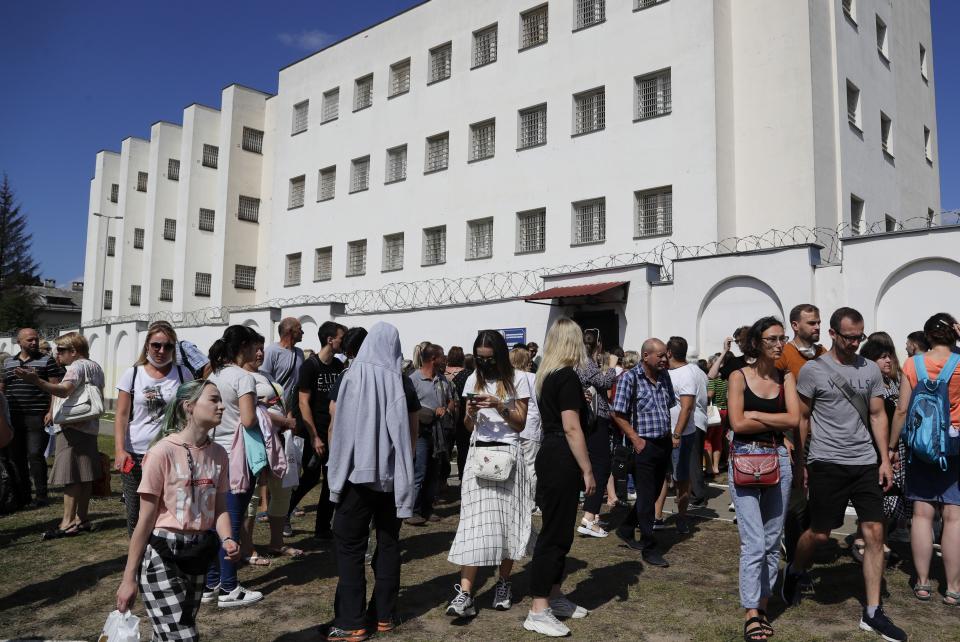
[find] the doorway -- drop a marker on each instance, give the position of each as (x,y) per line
(606,321)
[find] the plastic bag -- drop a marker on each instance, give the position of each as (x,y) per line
(121,627)
(293,449)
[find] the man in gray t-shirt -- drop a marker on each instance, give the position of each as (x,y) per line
(282,360)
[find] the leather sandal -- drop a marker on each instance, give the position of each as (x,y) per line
(950,595)
(756,634)
(765,624)
(919,588)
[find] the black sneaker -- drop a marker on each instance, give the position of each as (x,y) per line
(683,526)
(882,625)
(790,587)
(654,558)
(806,583)
(626,536)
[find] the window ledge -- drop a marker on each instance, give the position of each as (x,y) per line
(644,118)
(432,264)
(656,4)
(324,200)
(295,207)
(599,242)
(322,280)
(434,82)
(930,162)
(652,236)
(395,181)
(396,269)
(888,156)
(522,252)
(589,26)
(479,258)
(350,276)
(479,160)
(523,149)
(884,58)
(533,46)
(292,134)
(356,109)
(330,120)
(291,285)
(435,171)
(483,64)
(398,94)
(357,191)
(592,131)
(856,129)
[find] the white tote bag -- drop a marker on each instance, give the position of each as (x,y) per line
(85,402)
(293,450)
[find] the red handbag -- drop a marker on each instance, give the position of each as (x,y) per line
(756,469)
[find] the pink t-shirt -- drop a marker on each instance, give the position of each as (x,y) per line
(188,494)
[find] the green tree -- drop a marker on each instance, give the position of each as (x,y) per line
(17,267)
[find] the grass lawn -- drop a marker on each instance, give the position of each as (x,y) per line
(64,589)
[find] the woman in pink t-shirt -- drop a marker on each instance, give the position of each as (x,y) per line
(182,499)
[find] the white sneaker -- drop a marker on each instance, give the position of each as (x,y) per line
(502,595)
(545,623)
(563,607)
(238,597)
(462,604)
(732,508)
(631,496)
(210,594)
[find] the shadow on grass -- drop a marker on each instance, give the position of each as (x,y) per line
(39,527)
(605,583)
(52,591)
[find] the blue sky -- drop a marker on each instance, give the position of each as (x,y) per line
(78,77)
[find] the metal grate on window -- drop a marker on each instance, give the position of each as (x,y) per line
(293,269)
(485,46)
(249,209)
(138,235)
(533,127)
(298,188)
(252,140)
(438,152)
(210,155)
(849,9)
(435,245)
(166,289)
(889,223)
(483,139)
(173,169)
(927,146)
(886,134)
(301,117)
(589,111)
(533,27)
(441,59)
(397,164)
(323,270)
(531,231)
(589,12)
(480,239)
(393,252)
(328,183)
(857,223)
(330,108)
(590,221)
(363,93)
(135,296)
(111,245)
(170,229)
(142,180)
(356,258)
(108,299)
(646,4)
(359,174)
(853,105)
(654,212)
(244,277)
(923,62)
(206,220)
(653,95)
(201,284)
(114,193)
(400,78)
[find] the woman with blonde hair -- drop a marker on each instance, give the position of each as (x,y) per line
(532,435)
(563,469)
(142,395)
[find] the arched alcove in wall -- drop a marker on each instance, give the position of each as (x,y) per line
(123,353)
(310,327)
(96,347)
(250,323)
(731,303)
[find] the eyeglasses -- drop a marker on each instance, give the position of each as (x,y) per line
(852,338)
(485,361)
(156,345)
(775,340)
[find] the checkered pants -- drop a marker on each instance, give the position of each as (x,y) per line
(172,598)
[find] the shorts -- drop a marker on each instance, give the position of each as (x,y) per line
(833,485)
(680,457)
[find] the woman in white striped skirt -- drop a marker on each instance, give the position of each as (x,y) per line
(494,527)
(182,498)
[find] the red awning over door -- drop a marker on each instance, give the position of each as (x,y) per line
(570,291)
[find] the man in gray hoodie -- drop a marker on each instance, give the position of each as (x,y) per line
(374,429)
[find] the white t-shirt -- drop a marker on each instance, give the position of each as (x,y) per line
(150,399)
(687,381)
(490,424)
(233,382)
(532,429)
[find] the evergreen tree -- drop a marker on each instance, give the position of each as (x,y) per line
(17,267)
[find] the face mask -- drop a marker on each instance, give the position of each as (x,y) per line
(156,363)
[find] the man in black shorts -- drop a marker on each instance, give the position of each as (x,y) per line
(841,408)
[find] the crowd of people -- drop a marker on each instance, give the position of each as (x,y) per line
(208,445)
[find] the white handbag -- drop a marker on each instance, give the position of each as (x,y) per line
(85,402)
(713,416)
(490,464)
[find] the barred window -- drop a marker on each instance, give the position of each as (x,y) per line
(397,164)
(357,258)
(858,224)
(201,284)
(886,134)
(210,154)
(438,152)
(440,62)
(252,140)
(170,229)
(293,269)
(533,27)
(589,13)
(363,93)
(923,62)
(393,252)
(533,127)
(138,238)
(653,95)
(654,212)
(142,179)
(480,239)
(849,9)
(531,231)
(328,183)
(589,111)
(485,46)
(111,245)
(400,77)
(927,145)
(323,269)
(248,209)
(590,221)
(166,289)
(853,105)
(298,188)
(889,223)
(435,245)
(646,4)
(882,38)
(173,170)
(483,139)
(244,277)
(108,299)
(330,109)
(206,219)
(114,193)
(301,116)
(359,174)
(135,296)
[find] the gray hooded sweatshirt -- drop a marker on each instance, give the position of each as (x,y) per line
(371,429)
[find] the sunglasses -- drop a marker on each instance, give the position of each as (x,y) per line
(59,349)
(487,361)
(156,345)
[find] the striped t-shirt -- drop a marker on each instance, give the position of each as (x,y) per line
(25,398)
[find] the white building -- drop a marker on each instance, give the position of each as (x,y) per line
(714,161)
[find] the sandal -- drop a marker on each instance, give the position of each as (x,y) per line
(57,533)
(756,634)
(765,624)
(256,560)
(857,549)
(285,551)
(919,588)
(950,595)
(591,528)
(84,527)
(262,517)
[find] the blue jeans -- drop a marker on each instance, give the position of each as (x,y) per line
(425,480)
(760,514)
(224,572)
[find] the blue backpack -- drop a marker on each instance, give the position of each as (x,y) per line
(926,431)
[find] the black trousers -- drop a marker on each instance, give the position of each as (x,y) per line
(558,488)
(649,470)
(598,447)
(698,489)
(130,482)
(795,523)
(26,453)
(462,438)
(351,528)
(313,472)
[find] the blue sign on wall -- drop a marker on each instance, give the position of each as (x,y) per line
(513,336)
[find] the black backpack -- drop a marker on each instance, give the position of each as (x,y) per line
(8,488)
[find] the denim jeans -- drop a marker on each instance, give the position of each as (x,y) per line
(223,571)
(425,480)
(760,514)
